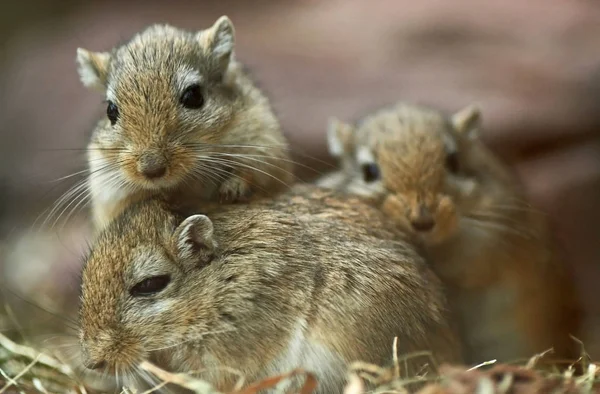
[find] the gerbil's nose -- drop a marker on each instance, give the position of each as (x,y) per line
(89,364)
(152,165)
(422,224)
(423,221)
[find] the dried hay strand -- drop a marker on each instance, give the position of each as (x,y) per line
(26,370)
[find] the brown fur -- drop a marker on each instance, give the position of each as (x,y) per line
(340,141)
(489,247)
(230,148)
(306,279)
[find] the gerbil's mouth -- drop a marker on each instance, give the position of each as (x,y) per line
(432,238)
(138,179)
(164,182)
(121,365)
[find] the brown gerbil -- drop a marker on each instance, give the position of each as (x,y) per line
(183,118)
(307,280)
(434,176)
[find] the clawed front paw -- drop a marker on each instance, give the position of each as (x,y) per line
(234,189)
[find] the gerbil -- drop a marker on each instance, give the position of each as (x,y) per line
(302,280)
(182,118)
(434,176)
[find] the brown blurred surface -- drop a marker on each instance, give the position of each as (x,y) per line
(534,67)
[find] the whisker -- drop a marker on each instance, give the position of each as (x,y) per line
(62,200)
(241,146)
(215,174)
(152,381)
(204,170)
(283,146)
(82,193)
(498,217)
(68,176)
(196,338)
(246,157)
(71,323)
(517,208)
(275,159)
(71,192)
(492,225)
(234,163)
(85,149)
(232,173)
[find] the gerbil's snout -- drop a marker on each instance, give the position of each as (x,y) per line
(152,165)
(91,358)
(421,219)
(433,218)
(106,350)
(413,213)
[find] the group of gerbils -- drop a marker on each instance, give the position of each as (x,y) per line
(207,254)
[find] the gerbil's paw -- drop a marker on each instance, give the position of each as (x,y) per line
(447,219)
(234,189)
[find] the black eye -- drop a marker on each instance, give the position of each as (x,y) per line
(112,112)
(452,162)
(192,97)
(370,172)
(150,285)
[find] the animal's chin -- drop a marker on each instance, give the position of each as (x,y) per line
(157,184)
(429,239)
(436,237)
(127,364)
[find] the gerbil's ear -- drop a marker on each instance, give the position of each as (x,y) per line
(194,239)
(467,121)
(219,40)
(93,68)
(340,137)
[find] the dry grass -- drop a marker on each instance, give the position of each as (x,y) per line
(27,370)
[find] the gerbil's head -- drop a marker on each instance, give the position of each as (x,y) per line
(170,94)
(142,287)
(409,162)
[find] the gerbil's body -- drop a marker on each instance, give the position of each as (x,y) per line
(183,119)
(304,280)
(437,180)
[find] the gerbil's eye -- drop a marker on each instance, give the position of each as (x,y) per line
(370,172)
(150,285)
(452,162)
(192,97)
(112,112)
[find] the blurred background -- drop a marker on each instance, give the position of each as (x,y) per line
(534,68)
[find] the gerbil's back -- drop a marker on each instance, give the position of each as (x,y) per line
(363,272)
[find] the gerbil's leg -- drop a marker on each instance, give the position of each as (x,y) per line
(446,220)
(236,188)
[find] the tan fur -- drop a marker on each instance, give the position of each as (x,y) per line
(489,247)
(340,140)
(230,148)
(307,279)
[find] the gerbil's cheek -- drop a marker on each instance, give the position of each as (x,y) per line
(110,349)
(374,191)
(461,188)
(396,209)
